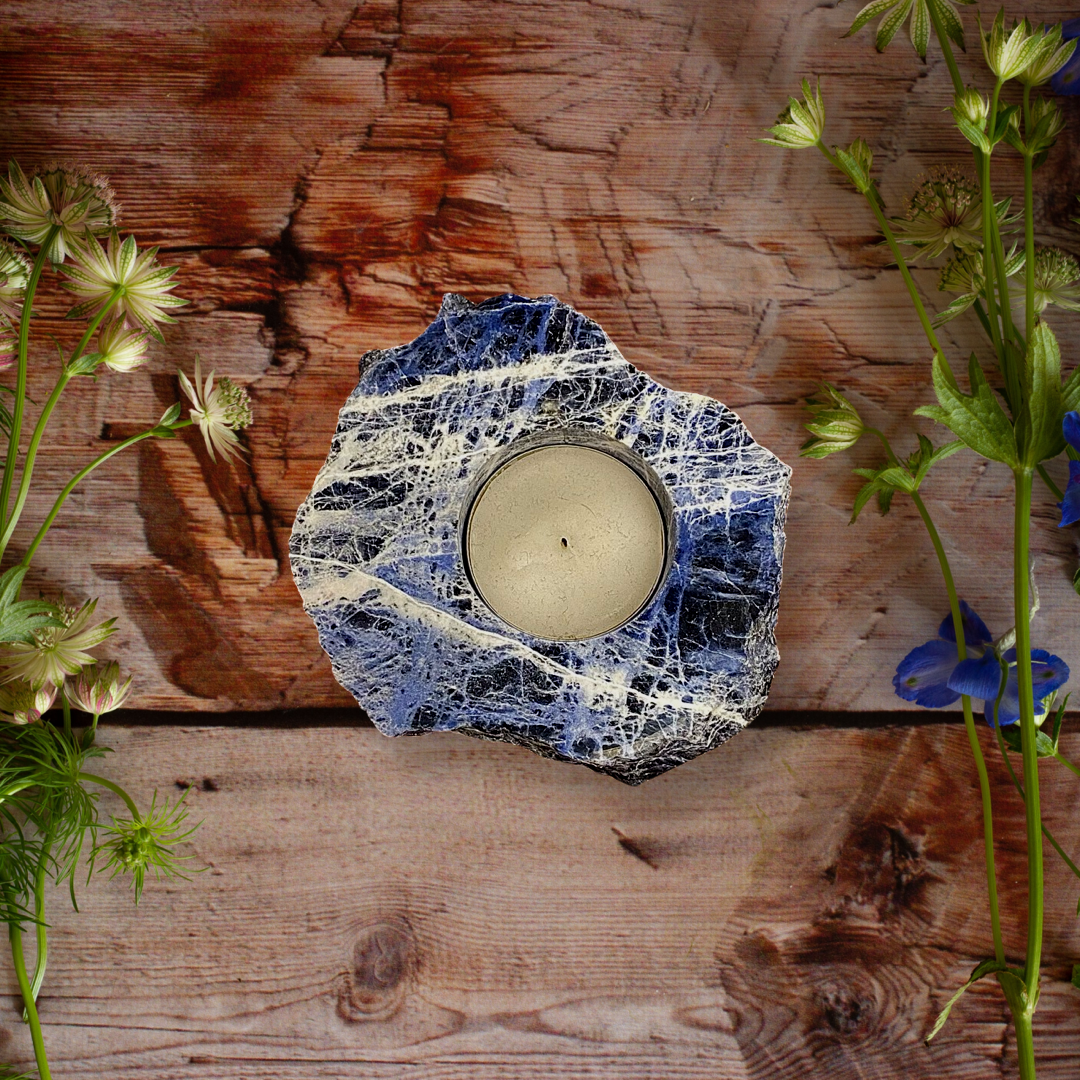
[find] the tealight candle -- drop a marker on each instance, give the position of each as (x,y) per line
(566,541)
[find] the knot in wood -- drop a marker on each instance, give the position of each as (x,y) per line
(383,964)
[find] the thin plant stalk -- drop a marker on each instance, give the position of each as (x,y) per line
(1029,225)
(32,1018)
(972,732)
(20,377)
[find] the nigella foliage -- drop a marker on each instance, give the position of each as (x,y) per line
(1019,408)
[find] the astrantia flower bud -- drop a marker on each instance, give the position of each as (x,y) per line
(120,347)
(1007,53)
(972,106)
(21,703)
(14,276)
(97,689)
(834,424)
(1048,59)
(9,345)
(69,197)
(218,410)
(856,161)
(802,122)
(1047,123)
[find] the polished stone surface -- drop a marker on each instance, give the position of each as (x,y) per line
(376,550)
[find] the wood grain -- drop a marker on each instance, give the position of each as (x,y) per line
(799,903)
(324,172)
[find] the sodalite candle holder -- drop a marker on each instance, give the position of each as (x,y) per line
(376,550)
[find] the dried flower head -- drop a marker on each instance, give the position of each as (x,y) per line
(220,411)
(56,651)
(98,689)
(9,345)
(117,272)
(120,347)
(1057,281)
(945,211)
(22,703)
(14,276)
(69,198)
(1051,55)
(834,425)
(802,122)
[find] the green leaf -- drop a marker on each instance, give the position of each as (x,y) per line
(1059,716)
(948,18)
(985,968)
(1076,581)
(20,618)
(898,478)
(170,416)
(890,24)
(972,133)
(977,419)
(871,11)
(920,28)
(1076,976)
(1039,430)
(1044,745)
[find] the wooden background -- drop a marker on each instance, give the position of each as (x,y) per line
(799,903)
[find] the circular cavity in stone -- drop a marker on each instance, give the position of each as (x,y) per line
(565,542)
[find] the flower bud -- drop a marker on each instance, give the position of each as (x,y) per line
(121,348)
(21,703)
(834,424)
(972,106)
(802,122)
(14,276)
(1008,53)
(1048,59)
(97,689)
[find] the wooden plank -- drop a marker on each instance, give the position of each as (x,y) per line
(323,173)
(800,902)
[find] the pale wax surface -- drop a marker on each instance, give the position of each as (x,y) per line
(565,542)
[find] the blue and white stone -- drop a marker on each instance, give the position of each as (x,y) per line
(376,555)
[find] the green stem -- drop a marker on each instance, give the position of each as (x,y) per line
(1029,226)
(67,713)
(989,274)
(91,732)
(1054,489)
(898,255)
(946,49)
(19,961)
(1025,1044)
(39,429)
(972,733)
(1020,788)
(994,235)
(40,928)
(1075,770)
(20,378)
(1022,613)
(116,789)
(81,475)
(983,319)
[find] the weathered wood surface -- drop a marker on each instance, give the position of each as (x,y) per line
(447,909)
(324,172)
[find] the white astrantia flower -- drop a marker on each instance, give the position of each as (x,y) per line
(1048,59)
(220,411)
(118,270)
(9,344)
(1057,281)
(14,276)
(70,197)
(22,703)
(121,347)
(56,651)
(98,689)
(964,275)
(1008,52)
(946,211)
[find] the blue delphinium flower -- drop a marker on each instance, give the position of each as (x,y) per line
(1070,504)
(923,675)
(934,676)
